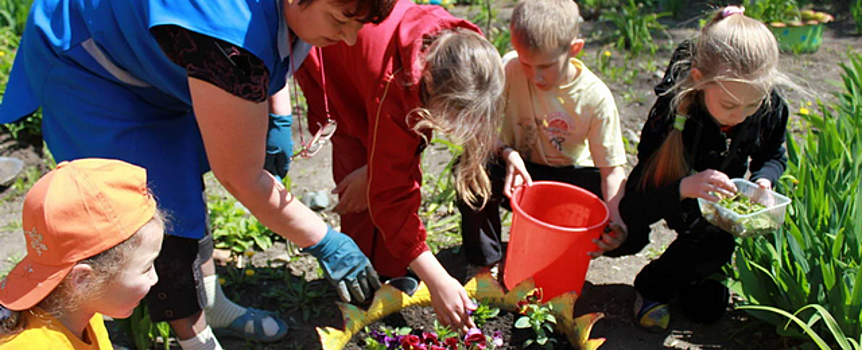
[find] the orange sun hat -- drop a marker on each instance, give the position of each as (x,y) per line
(80,209)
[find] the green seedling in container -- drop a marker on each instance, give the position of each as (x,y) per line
(741,204)
(740,215)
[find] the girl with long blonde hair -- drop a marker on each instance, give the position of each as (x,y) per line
(718,116)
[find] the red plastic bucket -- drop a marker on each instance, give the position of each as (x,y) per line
(552,230)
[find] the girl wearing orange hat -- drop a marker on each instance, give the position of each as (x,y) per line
(93,232)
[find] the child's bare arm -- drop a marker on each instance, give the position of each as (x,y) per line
(613,189)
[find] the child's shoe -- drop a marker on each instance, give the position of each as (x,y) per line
(704,302)
(651,315)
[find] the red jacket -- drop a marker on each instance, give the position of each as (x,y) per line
(372,86)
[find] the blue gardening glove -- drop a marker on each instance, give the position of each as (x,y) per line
(345,266)
(279,145)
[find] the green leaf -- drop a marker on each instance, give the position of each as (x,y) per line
(855,299)
(523,322)
(810,332)
(828,273)
(542,340)
(833,326)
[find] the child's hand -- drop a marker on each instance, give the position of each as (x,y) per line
(614,236)
(451,304)
(764,183)
(352,192)
(516,172)
(706,184)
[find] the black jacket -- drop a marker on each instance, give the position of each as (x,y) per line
(759,138)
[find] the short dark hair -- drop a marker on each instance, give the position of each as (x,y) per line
(366,11)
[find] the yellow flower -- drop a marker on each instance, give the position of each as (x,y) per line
(608,53)
(221,281)
(803,111)
(2,53)
(249,272)
(249,253)
(808,103)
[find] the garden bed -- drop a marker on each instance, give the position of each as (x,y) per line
(393,309)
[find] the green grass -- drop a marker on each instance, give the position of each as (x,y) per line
(12,260)
(10,226)
(23,182)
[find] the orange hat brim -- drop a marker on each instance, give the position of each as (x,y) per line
(29,283)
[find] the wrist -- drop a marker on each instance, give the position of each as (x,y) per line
(429,269)
(319,248)
(283,120)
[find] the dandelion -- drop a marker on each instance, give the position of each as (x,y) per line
(607,53)
(808,103)
(222,281)
(803,111)
(249,272)
(249,253)
(2,53)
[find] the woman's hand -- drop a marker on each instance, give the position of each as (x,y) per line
(352,192)
(451,303)
(516,172)
(706,184)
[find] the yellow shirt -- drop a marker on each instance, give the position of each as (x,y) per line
(576,123)
(44,332)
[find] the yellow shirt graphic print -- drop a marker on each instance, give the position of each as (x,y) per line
(576,123)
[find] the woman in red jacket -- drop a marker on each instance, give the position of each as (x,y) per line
(420,70)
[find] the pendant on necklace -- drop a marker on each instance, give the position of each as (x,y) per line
(727,141)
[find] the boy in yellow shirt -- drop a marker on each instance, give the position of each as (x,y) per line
(560,124)
(92,231)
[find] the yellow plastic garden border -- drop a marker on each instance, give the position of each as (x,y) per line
(483,287)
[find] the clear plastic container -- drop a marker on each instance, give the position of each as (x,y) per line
(766,220)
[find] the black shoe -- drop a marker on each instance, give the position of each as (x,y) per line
(704,302)
(406,284)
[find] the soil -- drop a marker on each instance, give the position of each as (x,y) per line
(609,281)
